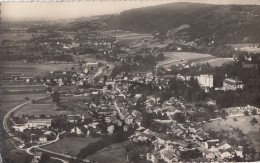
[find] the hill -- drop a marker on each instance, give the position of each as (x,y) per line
(192,22)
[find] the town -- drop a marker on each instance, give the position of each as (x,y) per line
(89,94)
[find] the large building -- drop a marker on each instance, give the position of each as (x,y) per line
(206,81)
(232,84)
(91,64)
(38,123)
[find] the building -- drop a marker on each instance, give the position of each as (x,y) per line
(43,139)
(91,64)
(38,123)
(232,84)
(152,157)
(205,80)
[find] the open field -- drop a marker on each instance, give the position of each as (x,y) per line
(34,69)
(38,109)
(70,145)
(23,87)
(175,58)
(112,154)
(216,62)
(251,48)
(22,36)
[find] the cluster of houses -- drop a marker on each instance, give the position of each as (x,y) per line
(181,139)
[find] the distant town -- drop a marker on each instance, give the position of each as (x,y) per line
(79,91)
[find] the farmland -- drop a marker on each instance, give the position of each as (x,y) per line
(175,58)
(38,109)
(112,154)
(71,145)
(29,69)
(22,36)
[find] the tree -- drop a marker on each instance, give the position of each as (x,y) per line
(235,119)
(45,158)
(179,117)
(246,113)
(160,57)
(56,97)
(49,90)
(254,112)
(26,98)
(254,120)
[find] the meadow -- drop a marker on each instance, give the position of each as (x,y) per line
(70,145)
(175,58)
(112,154)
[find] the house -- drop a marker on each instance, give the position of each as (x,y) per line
(37,155)
(226,154)
(239,151)
(232,84)
(76,130)
(73,118)
(168,156)
(110,129)
(211,143)
(91,64)
(129,120)
(19,127)
(224,145)
(152,157)
(43,139)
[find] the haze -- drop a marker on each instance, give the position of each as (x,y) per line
(67,10)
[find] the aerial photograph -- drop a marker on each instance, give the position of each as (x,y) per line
(130,81)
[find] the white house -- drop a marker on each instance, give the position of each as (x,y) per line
(43,139)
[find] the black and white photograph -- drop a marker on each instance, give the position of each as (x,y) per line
(144,81)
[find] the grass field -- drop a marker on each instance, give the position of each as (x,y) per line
(112,154)
(173,58)
(22,36)
(216,62)
(38,109)
(71,145)
(34,69)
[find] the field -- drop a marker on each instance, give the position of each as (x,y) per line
(112,154)
(48,108)
(251,48)
(34,69)
(70,145)
(175,58)
(22,36)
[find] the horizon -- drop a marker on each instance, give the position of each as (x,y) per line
(43,11)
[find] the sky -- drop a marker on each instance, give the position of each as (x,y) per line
(66,10)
